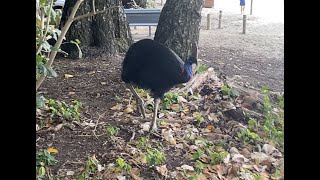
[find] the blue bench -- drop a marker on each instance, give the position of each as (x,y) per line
(143,17)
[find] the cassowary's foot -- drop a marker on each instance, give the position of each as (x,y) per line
(153,127)
(154,131)
(139,101)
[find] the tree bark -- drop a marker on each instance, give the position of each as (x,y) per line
(179,25)
(106,33)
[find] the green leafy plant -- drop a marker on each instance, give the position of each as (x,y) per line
(196,155)
(252,123)
(43,159)
(199,167)
(40,101)
(273,121)
(155,156)
(169,99)
(217,157)
(143,143)
(91,168)
(202,68)
(123,165)
(228,91)
(198,117)
(112,131)
(248,136)
(61,109)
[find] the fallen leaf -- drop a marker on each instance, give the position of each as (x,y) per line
(245,152)
(187,167)
(57,127)
(70,173)
(117,107)
(162,170)
(212,116)
(68,76)
(201,177)
(220,170)
(100,168)
(175,107)
(71,93)
(91,72)
(210,128)
(268,149)
(167,135)
(179,146)
(234,150)
(52,150)
(260,157)
(226,106)
(260,168)
(146,126)
(181,99)
(142,159)
(128,110)
(239,158)
(135,173)
(120,177)
(271,150)
(226,159)
(161,115)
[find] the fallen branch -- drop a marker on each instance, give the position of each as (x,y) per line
(197,80)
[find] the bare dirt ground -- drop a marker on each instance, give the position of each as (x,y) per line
(257,58)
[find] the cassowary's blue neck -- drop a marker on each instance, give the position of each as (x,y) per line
(188,69)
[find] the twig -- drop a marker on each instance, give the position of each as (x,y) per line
(95,127)
(93,13)
(48,171)
(133,135)
(88,135)
(93,6)
(134,161)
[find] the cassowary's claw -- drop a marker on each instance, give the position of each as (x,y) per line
(153,127)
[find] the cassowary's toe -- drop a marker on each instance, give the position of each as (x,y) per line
(154,131)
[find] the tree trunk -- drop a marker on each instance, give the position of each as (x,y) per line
(179,25)
(106,33)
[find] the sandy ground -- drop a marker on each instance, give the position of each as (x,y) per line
(257,57)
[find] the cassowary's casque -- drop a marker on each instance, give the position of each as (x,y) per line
(153,66)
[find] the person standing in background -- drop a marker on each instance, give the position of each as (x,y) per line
(242,5)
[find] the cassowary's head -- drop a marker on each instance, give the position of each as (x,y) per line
(192,61)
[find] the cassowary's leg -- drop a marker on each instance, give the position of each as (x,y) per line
(140,103)
(153,126)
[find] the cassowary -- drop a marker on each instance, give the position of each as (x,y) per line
(153,66)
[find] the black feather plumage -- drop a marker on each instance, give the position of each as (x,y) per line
(151,65)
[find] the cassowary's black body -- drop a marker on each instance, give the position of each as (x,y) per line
(151,65)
